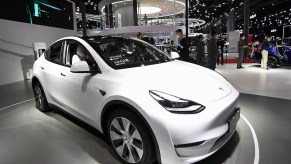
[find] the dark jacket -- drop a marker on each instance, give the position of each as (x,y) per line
(200,49)
(266,45)
(241,48)
(220,45)
(212,49)
(184,50)
(240,45)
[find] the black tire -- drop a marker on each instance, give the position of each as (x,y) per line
(131,144)
(272,62)
(40,100)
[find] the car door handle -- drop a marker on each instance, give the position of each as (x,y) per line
(63,74)
(41,67)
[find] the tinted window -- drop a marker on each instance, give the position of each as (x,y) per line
(70,51)
(82,54)
(126,53)
(47,53)
(54,54)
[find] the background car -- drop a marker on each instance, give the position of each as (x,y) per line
(173,52)
(149,106)
(278,55)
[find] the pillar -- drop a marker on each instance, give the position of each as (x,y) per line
(230,22)
(84,22)
(110,16)
(106,16)
(246,21)
(134,2)
(187,17)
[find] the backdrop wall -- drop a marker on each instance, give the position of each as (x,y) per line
(16,53)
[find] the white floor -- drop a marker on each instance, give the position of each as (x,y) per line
(255,80)
(31,137)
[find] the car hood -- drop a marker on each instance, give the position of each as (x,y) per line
(181,79)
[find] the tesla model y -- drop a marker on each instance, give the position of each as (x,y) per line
(149,106)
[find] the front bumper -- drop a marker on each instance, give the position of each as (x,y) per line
(190,138)
(190,152)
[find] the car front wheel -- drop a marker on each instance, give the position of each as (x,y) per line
(129,138)
(40,99)
(272,62)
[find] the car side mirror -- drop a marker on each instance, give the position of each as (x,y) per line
(82,67)
(174,55)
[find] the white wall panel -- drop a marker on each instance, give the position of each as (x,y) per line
(16,54)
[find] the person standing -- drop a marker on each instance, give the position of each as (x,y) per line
(200,50)
(212,51)
(241,51)
(265,49)
(220,44)
(139,36)
(184,46)
(145,18)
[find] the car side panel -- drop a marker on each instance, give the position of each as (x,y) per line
(80,94)
(287,52)
(49,76)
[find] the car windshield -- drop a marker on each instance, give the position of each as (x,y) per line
(120,53)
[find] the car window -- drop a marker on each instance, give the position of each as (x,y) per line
(47,53)
(75,50)
(54,53)
(70,51)
(126,53)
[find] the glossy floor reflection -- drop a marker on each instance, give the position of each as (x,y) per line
(275,82)
(31,137)
(28,136)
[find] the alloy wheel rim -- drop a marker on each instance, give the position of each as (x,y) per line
(38,96)
(126,140)
(273,63)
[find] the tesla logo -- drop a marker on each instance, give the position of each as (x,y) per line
(221,89)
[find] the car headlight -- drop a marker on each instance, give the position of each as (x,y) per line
(175,104)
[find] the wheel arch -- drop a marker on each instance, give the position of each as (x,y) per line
(275,57)
(112,105)
(34,80)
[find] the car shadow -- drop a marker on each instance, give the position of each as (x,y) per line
(100,138)
(283,66)
(219,157)
(224,153)
(255,66)
(286,67)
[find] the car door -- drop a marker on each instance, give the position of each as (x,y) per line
(80,91)
(287,52)
(51,72)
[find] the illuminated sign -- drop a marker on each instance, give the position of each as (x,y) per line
(54,13)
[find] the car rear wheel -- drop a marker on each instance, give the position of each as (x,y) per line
(272,62)
(40,99)
(129,138)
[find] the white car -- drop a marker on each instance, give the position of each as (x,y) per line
(149,106)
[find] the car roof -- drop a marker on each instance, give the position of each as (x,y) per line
(100,37)
(97,38)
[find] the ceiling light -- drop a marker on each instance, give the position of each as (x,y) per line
(149,10)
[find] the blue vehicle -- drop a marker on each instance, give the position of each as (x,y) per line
(278,55)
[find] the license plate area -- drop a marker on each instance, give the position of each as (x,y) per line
(232,121)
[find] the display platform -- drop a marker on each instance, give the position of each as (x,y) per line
(263,134)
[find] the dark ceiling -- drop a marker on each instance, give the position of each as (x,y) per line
(265,14)
(210,10)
